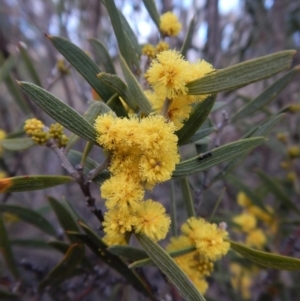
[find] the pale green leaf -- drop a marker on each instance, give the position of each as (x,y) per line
(17,144)
(102,56)
(216,156)
(168,266)
(242,74)
(196,119)
(29,216)
(268,260)
(32,182)
(82,63)
(266,96)
(152,10)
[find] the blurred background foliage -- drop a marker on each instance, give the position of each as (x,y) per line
(226,32)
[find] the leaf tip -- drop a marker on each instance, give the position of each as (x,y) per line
(5,184)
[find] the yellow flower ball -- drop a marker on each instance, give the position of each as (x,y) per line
(169,24)
(210,240)
(245,221)
(152,220)
(256,238)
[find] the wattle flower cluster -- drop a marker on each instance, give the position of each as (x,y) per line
(143,152)
(210,243)
(168,75)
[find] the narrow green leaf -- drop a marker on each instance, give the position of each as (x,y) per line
(90,164)
(128,252)
(242,74)
(30,243)
(196,119)
(268,260)
(29,183)
(65,268)
(5,249)
(29,216)
(188,38)
(65,217)
(201,134)
(63,248)
(134,90)
(168,266)
(6,68)
(148,261)
(100,249)
(217,155)
(17,144)
(29,64)
(266,96)
(152,10)
(130,36)
(82,63)
(102,56)
(113,81)
(126,48)
(59,111)
(276,189)
(140,257)
(261,130)
(187,197)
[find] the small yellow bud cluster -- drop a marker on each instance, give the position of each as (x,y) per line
(2,136)
(247,222)
(168,75)
(169,25)
(210,243)
(56,131)
(242,279)
(294,151)
(151,51)
(35,129)
(62,67)
(143,153)
(294,108)
(40,134)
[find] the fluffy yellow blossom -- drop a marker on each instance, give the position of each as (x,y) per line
(265,216)
(245,221)
(208,238)
(168,74)
(195,266)
(118,222)
(116,239)
(256,238)
(243,200)
(149,51)
(294,151)
(122,191)
(169,24)
(241,279)
(161,46)
(291,176)
(2,175)
(282,137)
(2,136)
(152,220)
(294,108)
